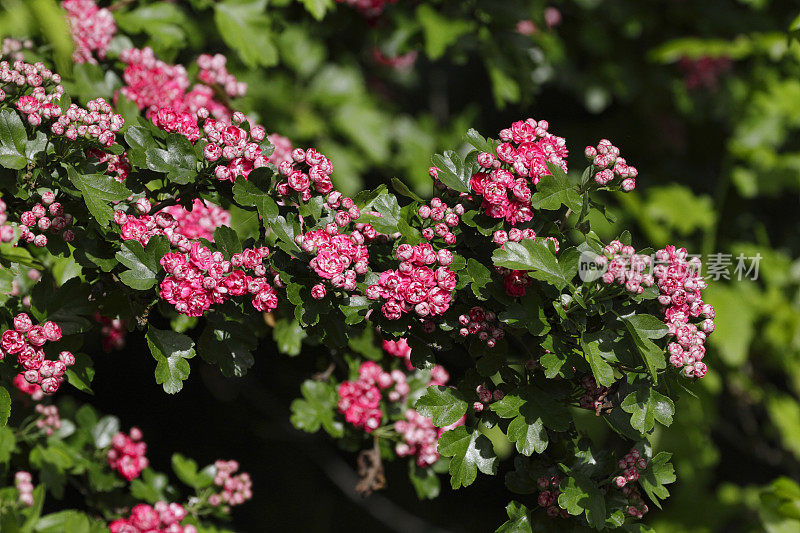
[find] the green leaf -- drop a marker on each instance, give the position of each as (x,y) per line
(317,409)
(479,142)
(248,194)
(144,263)
(648,326)
(452,171)
(185,469)
(537,258)
(8,443)
(245,27)
(647,405)
(227,241)
(555,190)
(443,404)
(469,451)
(228,344)
(178,161)
(81,374)
(150,486)
(288,335)
(480,277)
(652,355)
(317,8)
(99,191)
(403,190)
(530,437)
(602,371)
(519,520)
(532,410)
(5,406)
(171,351)
(385,204)
(580,495)
(528,313)
(104,430)
(659,472)
(424,480)
(440,31)
(12,140)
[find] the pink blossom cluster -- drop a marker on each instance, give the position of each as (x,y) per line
(486,396)
(359,401)
(703,71)
(173,121)
(401,349)
(397,62)
(625,267)
(24,484)
(201,221)
(47,215)
(369,8)
(610,166)
(13,48)
(92,29)
(31,389)
(548,496)
(127,454)
(27,341)
(482,323)
(235,151)
(118,166)
(48,421)
(442,218)
(308,172)
(420,437)
(631,465)
(283,149)
(236,489)
(680,283)
(593,394)
(213,72)
(7,232)
(199,278)
(113,331)
(414,286)
(520,159)
(162,517)
(44,86)
(340,258)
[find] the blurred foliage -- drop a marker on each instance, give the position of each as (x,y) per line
(606,69)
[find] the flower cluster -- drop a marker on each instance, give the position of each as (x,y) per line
(370,8)
(113,332)
(233,149)
(13,48)
(92,29)
(703,71)
(308,172)
(625,267)
(680,283)
(152,83)
(442,219)
(485,397)
(630,465)
(27,342)
(414,286)
(49,421)
(420,437)
(401,349)
(359,401)
(213,72)
(402,62)
(199,278)
(521,158)
(31,389)
(126,455)
(548,496)
(283,149)
(43,216)
(162,517)
(593,394)
(482,323)
(236,489)
(339,258)
(117,165)
(24,484)
(609,165)
(199,222)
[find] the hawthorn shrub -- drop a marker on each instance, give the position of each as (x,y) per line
(492,308)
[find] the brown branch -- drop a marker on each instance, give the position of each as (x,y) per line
(370,468)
